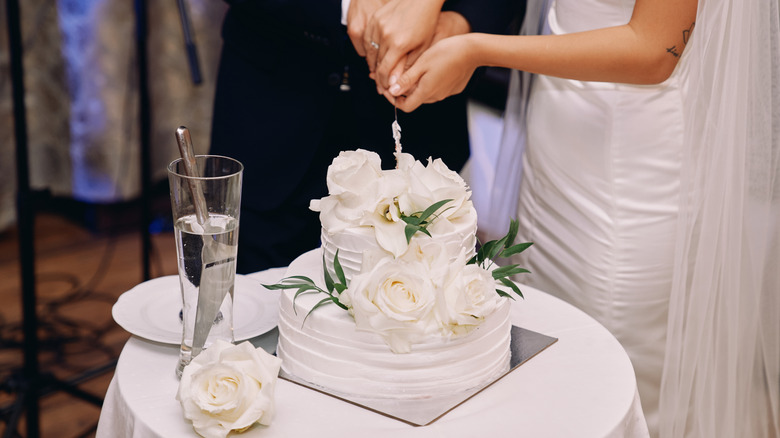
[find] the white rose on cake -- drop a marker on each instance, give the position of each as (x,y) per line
(467,299)
(366,199)
(229,388)
(465,293)
(433,183)
(355,186)
(435,257)
(385,218)
(404,161)
(396,300)
(352,170)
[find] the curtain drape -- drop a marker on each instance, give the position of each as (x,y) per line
(82,95)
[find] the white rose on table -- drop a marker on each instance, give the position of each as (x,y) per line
(229,388)
(469,297)
(396,300)
(354,188)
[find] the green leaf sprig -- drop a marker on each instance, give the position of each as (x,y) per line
(504,248)
(419,221)
(305,285)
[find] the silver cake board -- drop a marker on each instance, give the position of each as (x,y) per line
(524,345)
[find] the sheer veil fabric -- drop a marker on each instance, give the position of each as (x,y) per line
(505,190)
(722,365)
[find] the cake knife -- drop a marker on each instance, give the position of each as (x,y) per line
(209,300)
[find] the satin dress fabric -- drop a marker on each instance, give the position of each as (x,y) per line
(599,197)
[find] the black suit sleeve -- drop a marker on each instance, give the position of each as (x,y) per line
(489,16)
(318,16)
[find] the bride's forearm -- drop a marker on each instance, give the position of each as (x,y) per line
(645,50)
(608,55)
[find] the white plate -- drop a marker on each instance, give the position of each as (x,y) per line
(151,309)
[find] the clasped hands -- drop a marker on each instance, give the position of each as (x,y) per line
(411,47)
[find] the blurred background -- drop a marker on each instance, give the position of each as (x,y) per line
(82,105)
(81,81)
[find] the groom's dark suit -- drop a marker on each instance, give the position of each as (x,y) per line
(291,93)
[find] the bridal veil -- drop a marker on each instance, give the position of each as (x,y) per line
(722,365)
(505,189)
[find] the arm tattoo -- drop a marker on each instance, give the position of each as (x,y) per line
(686,36)
(687,33)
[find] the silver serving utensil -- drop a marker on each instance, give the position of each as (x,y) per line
(191,169)
(209,301)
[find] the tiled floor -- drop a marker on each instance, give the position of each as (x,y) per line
(79,275)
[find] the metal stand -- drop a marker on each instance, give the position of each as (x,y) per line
(31,384)
(189,43)
(144,126)
(25,219)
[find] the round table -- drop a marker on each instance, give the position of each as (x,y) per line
(583,386)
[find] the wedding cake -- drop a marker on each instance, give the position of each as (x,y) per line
(396,303)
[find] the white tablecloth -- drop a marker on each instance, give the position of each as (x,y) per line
(581,386)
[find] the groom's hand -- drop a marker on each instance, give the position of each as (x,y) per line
(358,16)
(398,28)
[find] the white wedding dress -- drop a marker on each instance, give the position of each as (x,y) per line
(599,197)
(656,209)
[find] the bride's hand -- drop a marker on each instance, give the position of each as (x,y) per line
(441,71)
(450,23)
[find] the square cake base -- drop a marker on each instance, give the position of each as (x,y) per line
(524,345)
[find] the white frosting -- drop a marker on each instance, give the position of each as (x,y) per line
(327,350)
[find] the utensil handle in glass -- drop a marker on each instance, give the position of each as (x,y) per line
(191,169)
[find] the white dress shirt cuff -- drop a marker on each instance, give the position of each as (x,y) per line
(344,10)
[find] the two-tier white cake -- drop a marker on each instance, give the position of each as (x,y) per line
(414,320)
